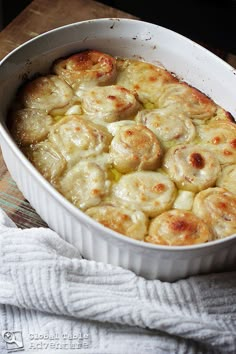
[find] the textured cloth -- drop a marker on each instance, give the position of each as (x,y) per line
(60,303)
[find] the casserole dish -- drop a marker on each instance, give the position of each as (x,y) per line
(126,38)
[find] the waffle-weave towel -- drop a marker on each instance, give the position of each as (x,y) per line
(52,301)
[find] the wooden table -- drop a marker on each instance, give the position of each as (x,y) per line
(41,16)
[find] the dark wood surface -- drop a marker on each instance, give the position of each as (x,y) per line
(43,15)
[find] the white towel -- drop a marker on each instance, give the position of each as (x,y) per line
(52,301)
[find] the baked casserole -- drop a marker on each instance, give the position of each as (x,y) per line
(131,145)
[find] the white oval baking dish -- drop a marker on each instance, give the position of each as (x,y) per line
(127,38)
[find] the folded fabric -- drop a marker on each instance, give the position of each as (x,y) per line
(54,301)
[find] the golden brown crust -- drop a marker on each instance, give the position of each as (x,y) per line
(220,138)
(135,147)
(46,93)
(29,126)
(191,167)
(145,79)
(125,221)
(148,191)
(189,101)
(77,137)
(217,207)
(178,228)
(109,103)
(89,67)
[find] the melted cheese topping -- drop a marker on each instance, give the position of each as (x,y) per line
(178,228)
(220,138)
(114,127)
(150,192)
(48,160)
(46,93)
(168,124)
(135,147)
(78,138)
(189,101)
(145,79)
(125,221)
(109,103)
(131,145)
(191,167)
(217,207)
(184,200)
(87,68)
(85,184)
(29,126)
(227,178)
